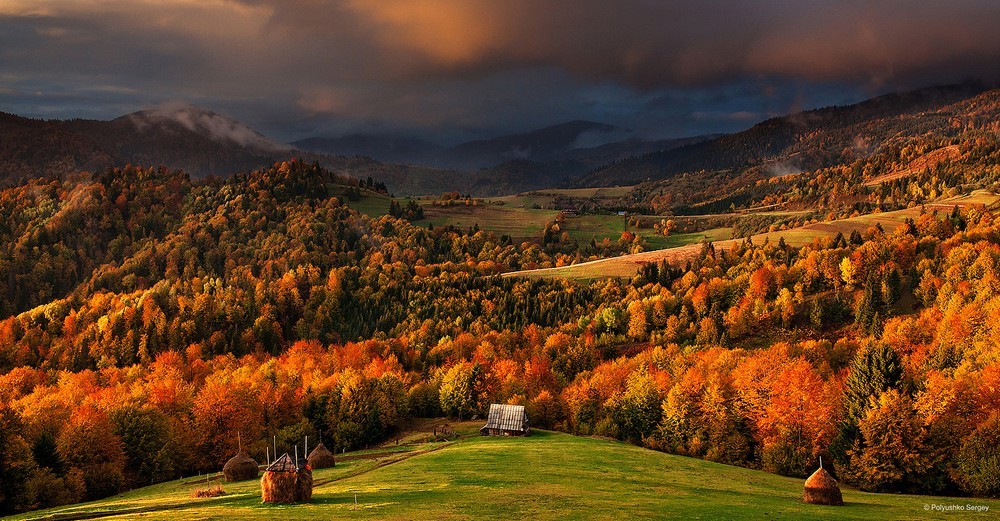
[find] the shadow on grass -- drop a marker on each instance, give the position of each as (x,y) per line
(336,499)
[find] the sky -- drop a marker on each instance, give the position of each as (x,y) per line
(451,70)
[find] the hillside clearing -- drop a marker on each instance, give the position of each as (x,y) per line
(924,162)
(628,265)
(524,216)
(545,476)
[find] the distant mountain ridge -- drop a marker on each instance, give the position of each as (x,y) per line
(576,153)
(393,149)
(203,143)
(203,122)
(541,145)
(541,158)
(184,137)
(801,141)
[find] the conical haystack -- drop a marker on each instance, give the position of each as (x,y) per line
(240,467)
(304,485)
(822,489)
(321,458)
(280,481)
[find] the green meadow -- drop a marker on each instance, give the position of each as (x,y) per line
(545,476)
(524,216)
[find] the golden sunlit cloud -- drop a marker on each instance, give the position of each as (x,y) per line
(661,43)
(449,32)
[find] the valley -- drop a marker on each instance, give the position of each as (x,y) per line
(736,307)
(720,267)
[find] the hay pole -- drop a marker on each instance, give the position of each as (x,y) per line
(239,441)
(275,447)
(267,455)
(306,451)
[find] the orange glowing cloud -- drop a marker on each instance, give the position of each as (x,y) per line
(448,32)
(454,61)
(656,43)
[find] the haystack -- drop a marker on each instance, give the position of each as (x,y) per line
(240,467)
(280,481)
(822,489)
(321,458)
(304,485)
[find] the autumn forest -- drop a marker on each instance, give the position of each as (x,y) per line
(146,317)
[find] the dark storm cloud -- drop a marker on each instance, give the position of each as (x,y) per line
(301,66)
(656,43)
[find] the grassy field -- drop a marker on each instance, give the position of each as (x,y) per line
(524,217)
(628,265)
(372,204)
(545,476)
(519,223)
(545,198)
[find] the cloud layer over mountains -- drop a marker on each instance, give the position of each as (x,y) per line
(300,66)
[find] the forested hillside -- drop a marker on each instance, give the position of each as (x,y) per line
(148,318)
(799,142)
(877,165)
(201,142)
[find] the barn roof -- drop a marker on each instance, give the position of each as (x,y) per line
(507,417)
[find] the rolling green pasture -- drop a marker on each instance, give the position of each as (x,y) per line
(519,223)
(524,217)
(372,204)
(545,476)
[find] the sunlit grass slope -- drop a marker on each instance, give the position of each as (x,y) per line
(628,265)
(545,476)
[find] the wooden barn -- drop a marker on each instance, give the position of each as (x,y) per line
(506,420)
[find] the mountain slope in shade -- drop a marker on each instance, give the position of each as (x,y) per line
(184,137)
(542,158)
(33,148)
(554,143)
(542,145)
(201,143)
(802,141)
(393,149)
(218,128)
